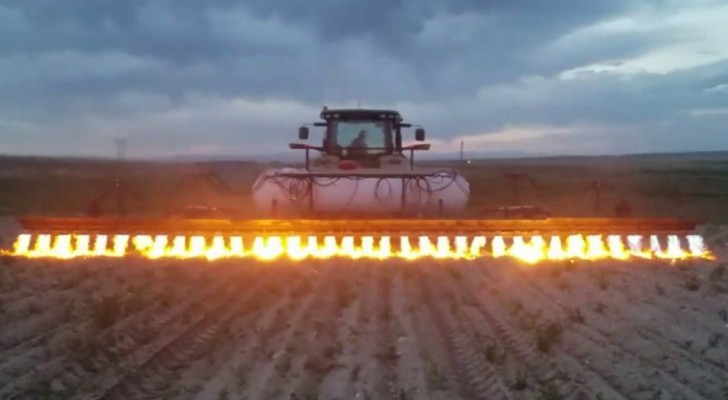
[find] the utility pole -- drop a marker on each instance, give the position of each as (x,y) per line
(119,186)
(120,144)
(462,151)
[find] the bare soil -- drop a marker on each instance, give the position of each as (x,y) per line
(340,329)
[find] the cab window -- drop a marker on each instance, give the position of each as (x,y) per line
(370,137)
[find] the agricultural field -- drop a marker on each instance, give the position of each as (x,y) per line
(346,329)
(691,186)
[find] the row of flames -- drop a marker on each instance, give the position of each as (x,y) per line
(585,247)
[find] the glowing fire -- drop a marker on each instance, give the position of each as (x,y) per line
(531,251)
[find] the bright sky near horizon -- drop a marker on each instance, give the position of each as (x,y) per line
(226,77)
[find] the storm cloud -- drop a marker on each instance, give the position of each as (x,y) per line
(189,77)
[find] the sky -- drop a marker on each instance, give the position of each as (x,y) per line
(237,78)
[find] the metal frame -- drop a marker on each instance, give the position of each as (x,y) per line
(307,149)
(376,227)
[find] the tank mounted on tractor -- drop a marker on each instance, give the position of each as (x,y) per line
(360,196)
(363,168)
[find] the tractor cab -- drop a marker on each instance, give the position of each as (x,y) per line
(362,138)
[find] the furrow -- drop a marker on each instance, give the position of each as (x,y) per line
(99,350)
(151,374)
(544,367)
(335,384)
(20,361)
(232,374)
(92,357)
(265,380)
(388,356)
(320,349)
(596,330)
(410,374)
(132,340)
(476,378)
(26,347)
(359,346)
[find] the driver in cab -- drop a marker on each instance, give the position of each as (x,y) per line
(358,146)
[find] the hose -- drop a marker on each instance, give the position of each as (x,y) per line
(298,189)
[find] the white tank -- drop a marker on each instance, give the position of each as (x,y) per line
(445,188)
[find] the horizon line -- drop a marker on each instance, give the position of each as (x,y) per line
(475,156)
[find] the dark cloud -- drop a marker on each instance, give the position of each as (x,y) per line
(183,34)
(461,66)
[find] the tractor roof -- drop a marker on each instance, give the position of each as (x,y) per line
(357,113)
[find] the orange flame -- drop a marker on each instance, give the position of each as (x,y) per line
(531,251)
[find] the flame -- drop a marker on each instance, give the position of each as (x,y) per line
(266,248)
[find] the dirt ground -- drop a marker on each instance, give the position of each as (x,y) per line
(341,329)
(338,329)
